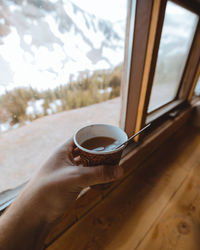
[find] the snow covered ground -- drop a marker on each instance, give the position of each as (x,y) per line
(34,108)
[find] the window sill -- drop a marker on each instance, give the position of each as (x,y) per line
(134,157)
(152,116)
(8,196)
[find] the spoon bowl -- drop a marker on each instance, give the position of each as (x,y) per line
(127,141)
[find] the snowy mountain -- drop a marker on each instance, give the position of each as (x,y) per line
(47,43)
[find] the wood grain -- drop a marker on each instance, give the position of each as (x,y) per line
(197,75)
(178,227)
(159,191)
(138,56)
(159,28)
(149,54)
(91,198)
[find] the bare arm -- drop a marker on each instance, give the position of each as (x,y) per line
(26,223)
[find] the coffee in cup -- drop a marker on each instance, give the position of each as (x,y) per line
(97,145)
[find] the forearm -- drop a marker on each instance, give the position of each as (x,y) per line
(22,226)
(20,233)
(47,196)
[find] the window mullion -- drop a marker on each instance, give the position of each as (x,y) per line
(138,55)
(151,58)
(194,83)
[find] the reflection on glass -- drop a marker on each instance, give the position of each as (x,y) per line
(197,88)
(176,38)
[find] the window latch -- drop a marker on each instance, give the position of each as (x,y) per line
(173,114)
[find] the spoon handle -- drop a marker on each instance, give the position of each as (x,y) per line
(134,135)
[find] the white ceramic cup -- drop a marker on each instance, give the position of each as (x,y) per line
(98,130)
(105,157)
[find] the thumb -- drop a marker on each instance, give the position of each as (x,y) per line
(100,174)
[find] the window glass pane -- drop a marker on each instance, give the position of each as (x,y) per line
(55,56)
(176,38)
(197,88)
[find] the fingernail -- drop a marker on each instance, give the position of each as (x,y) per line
(118,172)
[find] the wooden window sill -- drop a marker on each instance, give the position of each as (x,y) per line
(154,207)
(90,198)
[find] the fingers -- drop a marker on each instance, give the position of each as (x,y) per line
(99,174)
(68,145)
(69,151)
(77,160)
(75,152)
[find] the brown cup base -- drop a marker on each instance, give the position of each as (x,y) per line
(92,160)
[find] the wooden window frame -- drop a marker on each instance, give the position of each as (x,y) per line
(146,40)
(147,31)
(130,98)
(132,111)
(197,75)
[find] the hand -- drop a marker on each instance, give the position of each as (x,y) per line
(60,180)
(26,223)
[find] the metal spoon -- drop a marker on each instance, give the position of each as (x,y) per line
(126,142)
(129,139)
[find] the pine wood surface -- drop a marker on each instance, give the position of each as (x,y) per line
(134,159)
(156,207)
